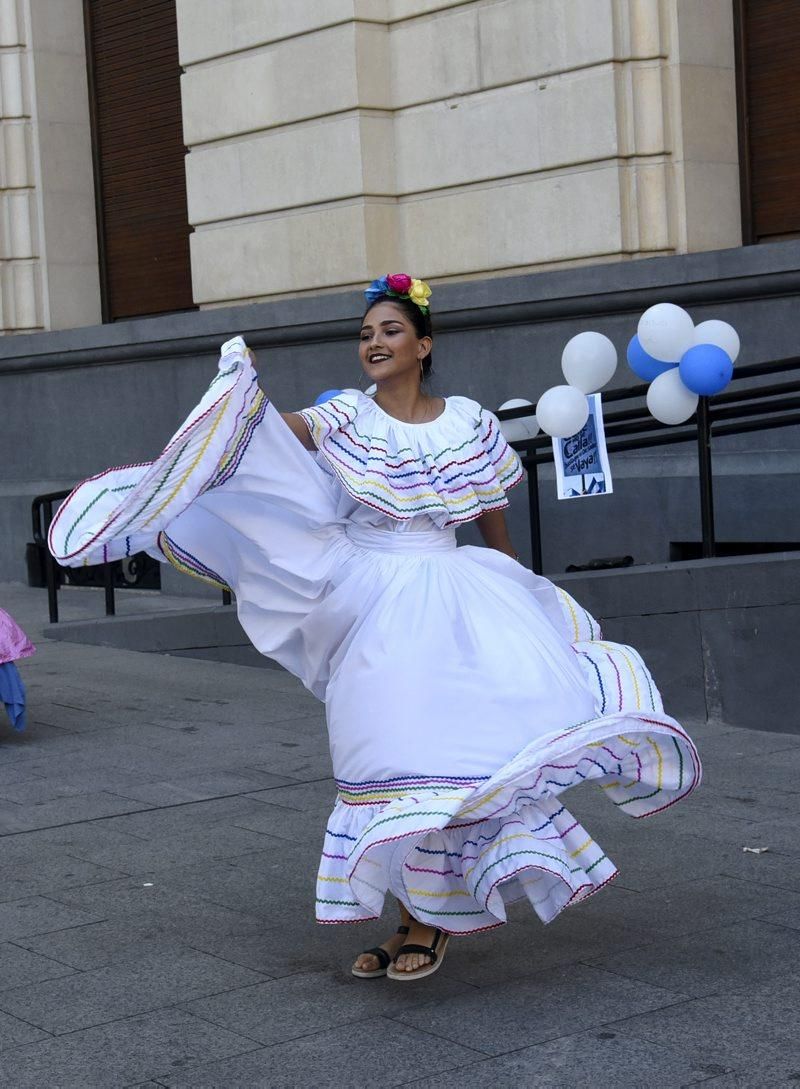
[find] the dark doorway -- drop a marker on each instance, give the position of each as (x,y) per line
(768,89)
(135,101)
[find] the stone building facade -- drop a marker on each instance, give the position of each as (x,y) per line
(329,140)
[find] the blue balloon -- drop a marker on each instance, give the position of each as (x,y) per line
(706,369)
(327,395)
(643,365)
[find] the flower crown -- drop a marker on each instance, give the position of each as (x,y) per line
(399,285)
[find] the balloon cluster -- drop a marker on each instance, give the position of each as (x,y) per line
(588,361)
(681,361)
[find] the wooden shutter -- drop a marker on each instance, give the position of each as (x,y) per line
(768,71)
(134,86)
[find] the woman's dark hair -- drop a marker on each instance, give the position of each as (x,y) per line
(420,321)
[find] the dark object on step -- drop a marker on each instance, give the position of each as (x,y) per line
(605,563)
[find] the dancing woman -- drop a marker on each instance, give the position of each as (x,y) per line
(463,694)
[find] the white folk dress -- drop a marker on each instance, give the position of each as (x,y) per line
(463,693)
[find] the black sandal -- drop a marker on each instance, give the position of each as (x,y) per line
(384,960)
(435,951)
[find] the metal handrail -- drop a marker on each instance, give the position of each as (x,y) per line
(736,411)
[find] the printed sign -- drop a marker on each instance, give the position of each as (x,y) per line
(582,460)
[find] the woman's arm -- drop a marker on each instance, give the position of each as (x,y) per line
(293,420)
(493,529)
(297,425)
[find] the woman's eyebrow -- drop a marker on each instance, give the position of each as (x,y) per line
(389,321)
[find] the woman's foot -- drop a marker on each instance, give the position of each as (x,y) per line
(417,935)
(368,962)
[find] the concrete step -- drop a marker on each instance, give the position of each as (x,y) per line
(208,632)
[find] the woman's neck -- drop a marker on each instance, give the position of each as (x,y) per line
(407,403)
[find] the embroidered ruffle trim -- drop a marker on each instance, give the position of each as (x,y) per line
(453,469)
(122,511)
(456,856)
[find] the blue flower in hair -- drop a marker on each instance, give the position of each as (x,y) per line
(377,289)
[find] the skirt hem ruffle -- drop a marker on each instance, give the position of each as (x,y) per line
(518,840)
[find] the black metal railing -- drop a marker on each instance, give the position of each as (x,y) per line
(42,516)
(747,405)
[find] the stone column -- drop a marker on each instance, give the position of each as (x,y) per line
(20,275)
(701,82)
(48,236)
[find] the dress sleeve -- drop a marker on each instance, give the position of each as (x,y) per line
(122,510)
(504,461)
(331,416)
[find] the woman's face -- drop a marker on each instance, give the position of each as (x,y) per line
(389,345)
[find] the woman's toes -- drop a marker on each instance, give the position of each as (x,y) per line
(412,962)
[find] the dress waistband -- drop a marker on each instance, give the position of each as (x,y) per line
(389,540)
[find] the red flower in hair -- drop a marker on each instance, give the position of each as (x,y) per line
(399,282)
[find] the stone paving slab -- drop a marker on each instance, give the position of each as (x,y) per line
(129,934)
(19,966)
(508,1016)
(705,964)
(741,1028)
(39,915)
(285,874)
(202,787)
(519,950)
(46,871)
(685,907)
(14,1032)
(293,825)
(375,1052)
(297,1005)
(100,995)
(118,1054)
(134,854)
(772,1074)
(265,949)
(583,1061)
(160,823)
(72,810)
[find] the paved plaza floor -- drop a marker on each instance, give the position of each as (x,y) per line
(160,823)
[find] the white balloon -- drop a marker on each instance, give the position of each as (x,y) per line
(669,400)
(523,427)
(589,361)
(665,332)
(562,411)
(719,333)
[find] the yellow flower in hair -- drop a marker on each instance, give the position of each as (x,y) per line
(419,292)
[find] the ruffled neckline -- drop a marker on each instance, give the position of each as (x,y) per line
(452,468)
(405,423)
